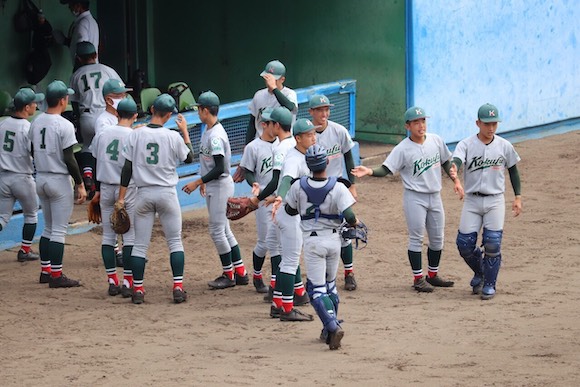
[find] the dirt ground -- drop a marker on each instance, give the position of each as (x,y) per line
(528,335)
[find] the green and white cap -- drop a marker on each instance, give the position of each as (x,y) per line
(127,105)
(58,89)
(488,113)
(114,86)
(266,114)
(318,100)
(275,68)
(303,125)
(415,113)
(281,115)
(164,104)
(26,96)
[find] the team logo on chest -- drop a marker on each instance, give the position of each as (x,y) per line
(422,165)
(478,162)
(334,150)
(266,165)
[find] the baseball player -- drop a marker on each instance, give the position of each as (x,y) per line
(53,138)
(114,91)
(257,163)
(338,143)
(16,181)
(88,103)
(151,156)
(106,148)
(294,167)
(419,158)
(280,122)
(275,94)
(84,28)
(217,186)
(322,203)
(485,157)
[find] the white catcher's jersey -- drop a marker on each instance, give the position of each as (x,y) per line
(105,119)
(264,99)
(258,158)
(419,164)
(484,165)
(15,151)
(155,153)
(87,82)
(337,200)
(214,141)
(336,140)
(50,134)
(107,147)
(294,166)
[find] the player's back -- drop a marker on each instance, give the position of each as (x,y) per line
(106,148)
(87,82)
(50,134)
(15,152)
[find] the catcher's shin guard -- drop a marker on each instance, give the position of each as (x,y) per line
(333,294)
(323,305)
(471,254)
(492,258)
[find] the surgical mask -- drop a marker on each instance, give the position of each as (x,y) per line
(76,13)
(116,102)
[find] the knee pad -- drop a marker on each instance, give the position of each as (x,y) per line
(492,242)
(314,291)
(466,244)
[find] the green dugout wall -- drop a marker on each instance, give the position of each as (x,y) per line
(224,45)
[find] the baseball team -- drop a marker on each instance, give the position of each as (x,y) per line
(301,173)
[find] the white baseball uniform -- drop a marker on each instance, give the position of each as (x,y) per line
(84,29)
(264,99)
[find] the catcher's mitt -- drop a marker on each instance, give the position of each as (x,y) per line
(120,222)
(237,208)
(94,211)
(358,233)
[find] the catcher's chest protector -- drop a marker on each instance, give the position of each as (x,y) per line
(316,196)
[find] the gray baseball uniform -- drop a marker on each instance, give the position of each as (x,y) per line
(264,99)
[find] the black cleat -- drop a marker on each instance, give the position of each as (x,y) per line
(222,282)
(349,282)
(334,338)
(63,282)
(295,315)
(179,295)
(242,279)
(138,297)
(126,291)
(422,286)
(114,290)
(30,256)
(44,278)
(260,286)
(301,300)
(439,282)
(275,312)
(268,297)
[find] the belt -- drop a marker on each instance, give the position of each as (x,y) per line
(323,232)
(482,194)
(87,110)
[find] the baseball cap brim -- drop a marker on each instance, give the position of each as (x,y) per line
(490,119)
(275,76)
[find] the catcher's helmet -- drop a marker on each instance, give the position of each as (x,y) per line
(316,158)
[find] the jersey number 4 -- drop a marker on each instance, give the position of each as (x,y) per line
(113,150)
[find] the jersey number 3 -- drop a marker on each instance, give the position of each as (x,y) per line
(153,158)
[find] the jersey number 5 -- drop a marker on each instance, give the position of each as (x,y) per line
(8,141)
(154,157)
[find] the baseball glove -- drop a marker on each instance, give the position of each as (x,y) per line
(239,207)
(94,211)
(120,222)
(358,234)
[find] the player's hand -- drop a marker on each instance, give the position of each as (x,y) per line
(181,122)
(81,194)
(453,171)
(192,186)
(256,189)
(276,206)
(269,200)
(239,175)
(517,206)
(458,188)
(97,197)
(361,171)
(202,190)
(120,203)
(353,192)
(270,82)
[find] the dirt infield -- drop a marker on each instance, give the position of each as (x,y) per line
(528,335)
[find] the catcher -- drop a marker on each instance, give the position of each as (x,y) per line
(106,149)
(322,204)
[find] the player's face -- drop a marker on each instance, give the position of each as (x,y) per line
(320,115)
(486,129)
(30,109)
(417,128)
(305,140)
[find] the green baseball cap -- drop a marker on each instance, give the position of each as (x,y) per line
(266,114)
(114,86)
(26,96)
(488,113)
(276,68)
(127,105)
(415,113)
(58,89)
(85,48)
(318,100)
(164,104)
(303,125)
(208,98)
(281,115)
